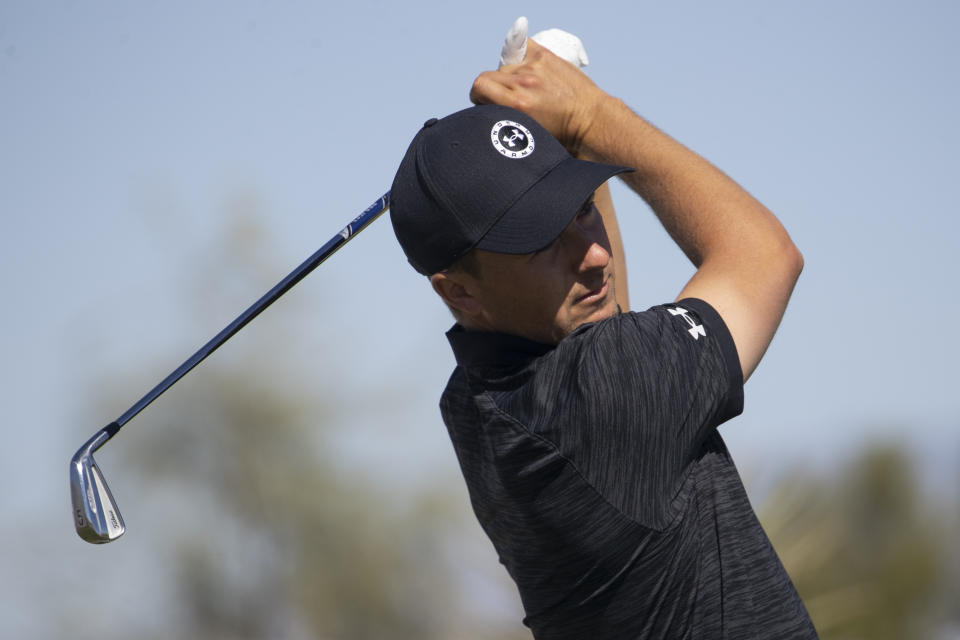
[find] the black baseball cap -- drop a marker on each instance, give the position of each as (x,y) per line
(488,177)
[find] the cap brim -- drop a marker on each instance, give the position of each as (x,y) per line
(538,217)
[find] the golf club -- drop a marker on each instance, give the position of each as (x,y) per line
(95,512)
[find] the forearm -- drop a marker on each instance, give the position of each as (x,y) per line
(705,212)
(605,205)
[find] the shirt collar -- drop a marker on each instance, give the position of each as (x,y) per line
(484,347)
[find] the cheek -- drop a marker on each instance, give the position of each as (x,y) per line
(548,300)
(532,296)
(529,294)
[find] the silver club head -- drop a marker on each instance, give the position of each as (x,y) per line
(95,513)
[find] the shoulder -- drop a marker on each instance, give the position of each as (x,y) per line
(689,325)
(667,355)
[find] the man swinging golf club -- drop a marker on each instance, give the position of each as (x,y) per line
(586,432)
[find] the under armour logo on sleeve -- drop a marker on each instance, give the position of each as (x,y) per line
(695,330)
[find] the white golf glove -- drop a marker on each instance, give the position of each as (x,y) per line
(564,44)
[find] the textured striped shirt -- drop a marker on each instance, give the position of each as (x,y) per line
(596,469)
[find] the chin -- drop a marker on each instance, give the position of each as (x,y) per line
(608,310)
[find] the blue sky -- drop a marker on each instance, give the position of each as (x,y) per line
(130,131)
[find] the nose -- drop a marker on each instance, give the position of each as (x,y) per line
(596,257)
(588,245)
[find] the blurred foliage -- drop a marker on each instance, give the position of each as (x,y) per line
(294,545)
(870,558)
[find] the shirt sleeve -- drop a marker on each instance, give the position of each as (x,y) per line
(699,315)
(644,392)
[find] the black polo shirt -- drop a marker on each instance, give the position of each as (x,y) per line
(596,469)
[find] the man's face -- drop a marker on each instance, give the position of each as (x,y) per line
(546,295)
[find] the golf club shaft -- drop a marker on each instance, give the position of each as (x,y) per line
(295,276)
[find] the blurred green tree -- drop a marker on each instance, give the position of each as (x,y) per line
(868,555)
(287,536)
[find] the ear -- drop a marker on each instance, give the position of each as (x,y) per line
(455,291)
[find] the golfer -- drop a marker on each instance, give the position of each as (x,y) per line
(586,432)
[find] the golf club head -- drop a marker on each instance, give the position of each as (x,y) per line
(95,513)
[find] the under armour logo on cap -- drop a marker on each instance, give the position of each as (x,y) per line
(512,139)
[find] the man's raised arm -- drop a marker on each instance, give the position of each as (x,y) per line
(746,263)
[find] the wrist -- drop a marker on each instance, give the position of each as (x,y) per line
(598,137)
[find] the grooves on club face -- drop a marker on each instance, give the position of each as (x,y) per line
(95,513)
